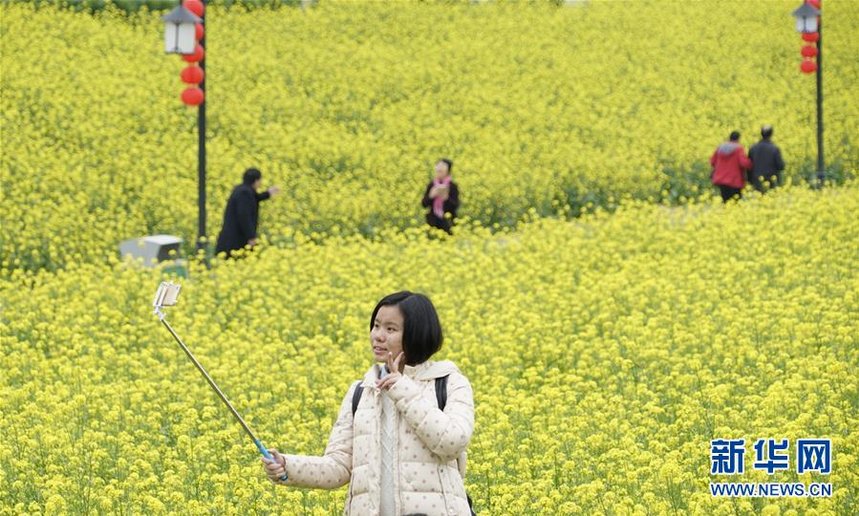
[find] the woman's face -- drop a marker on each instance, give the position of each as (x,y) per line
(387,333)
(440,170)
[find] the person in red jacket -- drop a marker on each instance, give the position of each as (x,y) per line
(729,163)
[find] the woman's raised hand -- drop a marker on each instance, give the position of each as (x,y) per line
(394,372)
(275,467)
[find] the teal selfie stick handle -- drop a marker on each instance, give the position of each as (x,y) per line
(268,456)
(220,394)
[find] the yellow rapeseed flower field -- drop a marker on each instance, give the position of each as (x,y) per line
(347,105)
(605,354)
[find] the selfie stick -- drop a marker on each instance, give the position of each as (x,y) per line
(166,296)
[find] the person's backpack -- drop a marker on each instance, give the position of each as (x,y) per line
(441,397)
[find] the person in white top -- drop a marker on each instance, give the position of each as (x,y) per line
(399,451)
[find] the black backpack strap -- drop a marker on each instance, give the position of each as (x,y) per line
(441,396)
(441,391)
(356,397)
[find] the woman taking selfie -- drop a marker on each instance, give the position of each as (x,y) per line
(400,451)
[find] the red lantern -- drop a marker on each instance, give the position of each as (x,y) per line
(195,6)
(192,75)
(193,96)
(808,66)
(811,37)
(200,32)
(814,3)
(197,56)
(809,51)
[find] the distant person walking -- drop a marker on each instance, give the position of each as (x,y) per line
(242,213)
(729,162)
(767,162)
(441,197)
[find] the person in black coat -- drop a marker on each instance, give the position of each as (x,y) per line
(441,197)
(767,162)
(242,213)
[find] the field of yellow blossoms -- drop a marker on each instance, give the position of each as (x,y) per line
(605,354)
(612,317)
(347,105)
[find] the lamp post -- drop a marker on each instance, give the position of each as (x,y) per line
(185,34)
(179,31)
(809,25)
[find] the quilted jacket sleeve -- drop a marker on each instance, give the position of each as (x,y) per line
(446,433)
(334,468)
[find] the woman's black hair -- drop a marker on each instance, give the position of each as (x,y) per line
(251,176)
(422,335)
(449,164)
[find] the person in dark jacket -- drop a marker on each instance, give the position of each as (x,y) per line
(441,197)
(767,163)
(729,162)
(242,213)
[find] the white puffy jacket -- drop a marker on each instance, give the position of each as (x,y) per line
(429,445)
